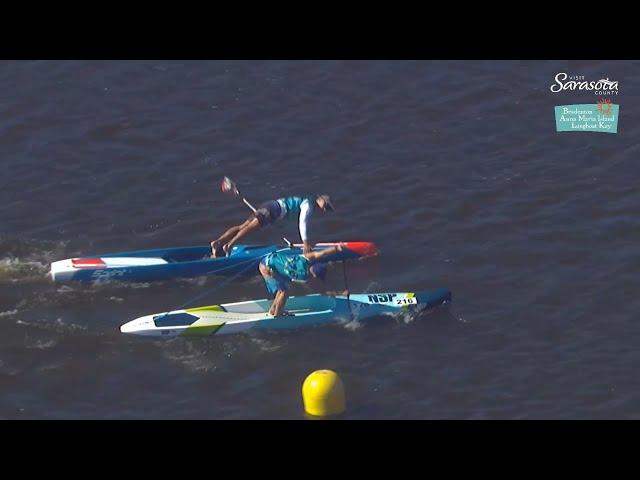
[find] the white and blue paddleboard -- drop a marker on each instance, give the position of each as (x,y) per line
(301,311)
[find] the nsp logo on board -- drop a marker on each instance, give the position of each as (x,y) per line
(381,297)
(604,86)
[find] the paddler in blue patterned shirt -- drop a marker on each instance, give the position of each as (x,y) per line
(287,208)
(278,270)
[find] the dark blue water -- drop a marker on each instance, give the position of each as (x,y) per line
(453,168)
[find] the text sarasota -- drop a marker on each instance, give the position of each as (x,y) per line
(604,86)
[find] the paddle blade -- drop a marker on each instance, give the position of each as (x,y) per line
(228,186)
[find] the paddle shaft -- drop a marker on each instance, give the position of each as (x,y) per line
(346,285)
(229,185)
(248,204)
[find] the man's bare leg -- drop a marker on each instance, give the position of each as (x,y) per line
(277,306)
(315,256)
(247,227)
(280,298)
(228,235)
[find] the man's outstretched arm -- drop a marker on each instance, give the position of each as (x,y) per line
(303,225)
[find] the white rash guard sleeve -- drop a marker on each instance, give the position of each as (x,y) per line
(305,217)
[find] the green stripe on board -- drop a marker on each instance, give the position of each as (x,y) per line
(211,308)
(201,330)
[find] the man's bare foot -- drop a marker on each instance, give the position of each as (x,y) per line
(227,249)
(215,249)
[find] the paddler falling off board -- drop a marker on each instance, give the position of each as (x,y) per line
(279,270)
(286,208)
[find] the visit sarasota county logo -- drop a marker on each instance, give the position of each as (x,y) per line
(564,82)
(586,117)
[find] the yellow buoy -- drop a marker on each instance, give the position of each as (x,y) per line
(323,394)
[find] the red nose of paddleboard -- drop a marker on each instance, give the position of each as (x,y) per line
(364,249)
(88,263)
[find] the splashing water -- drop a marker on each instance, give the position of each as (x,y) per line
(14,270)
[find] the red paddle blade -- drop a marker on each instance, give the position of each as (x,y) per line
(228,186)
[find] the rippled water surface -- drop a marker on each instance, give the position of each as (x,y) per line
(453,168)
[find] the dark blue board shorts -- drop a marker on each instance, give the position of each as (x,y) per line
(268,213)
